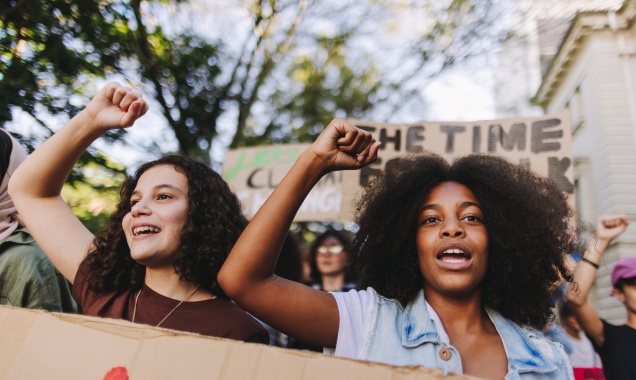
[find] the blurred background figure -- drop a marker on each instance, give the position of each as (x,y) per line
(328,262)
(289,267)
(27,278)
(583,354)
(578,346)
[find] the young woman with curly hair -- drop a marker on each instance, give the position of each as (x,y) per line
(458,262)
(156,262)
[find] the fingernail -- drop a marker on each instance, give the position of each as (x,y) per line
(361,157)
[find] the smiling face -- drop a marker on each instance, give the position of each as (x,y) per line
(159,208)
(452,241)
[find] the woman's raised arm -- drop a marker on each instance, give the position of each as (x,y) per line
(247,276)
(36,185)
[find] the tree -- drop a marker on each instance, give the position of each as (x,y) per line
(48,47)
(289,78)
(94,193)
(274,70)
(278,74)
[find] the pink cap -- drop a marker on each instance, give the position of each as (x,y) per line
(624,268)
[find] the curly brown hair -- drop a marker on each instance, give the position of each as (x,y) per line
(529,222)
(214,223)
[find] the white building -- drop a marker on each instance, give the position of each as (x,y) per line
(593,75)
(537,28)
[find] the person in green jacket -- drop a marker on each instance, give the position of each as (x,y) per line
(27,277)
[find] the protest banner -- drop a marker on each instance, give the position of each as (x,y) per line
(39,345)
(253,173)
(543,144)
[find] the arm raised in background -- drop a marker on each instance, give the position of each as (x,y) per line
(607,228)
(36,185)
(247,276)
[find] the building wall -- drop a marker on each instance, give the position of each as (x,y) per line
(598,89)
(539,26)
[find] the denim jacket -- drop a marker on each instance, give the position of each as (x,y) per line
(408,336)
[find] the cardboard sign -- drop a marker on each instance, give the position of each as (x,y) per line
(41,345)
(253,173)
(542,144)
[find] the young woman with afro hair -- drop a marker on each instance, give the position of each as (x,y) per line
(458,262)
(156,261)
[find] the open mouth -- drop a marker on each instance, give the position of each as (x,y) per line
(145,230)
(453,256)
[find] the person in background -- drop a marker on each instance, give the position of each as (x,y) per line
(157,259)
(328,260)
(27,277)
(458,262)
(328,263)
(289,267)
(306,273)
(616,345)
(585,361)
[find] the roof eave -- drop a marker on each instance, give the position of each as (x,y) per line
(582,25)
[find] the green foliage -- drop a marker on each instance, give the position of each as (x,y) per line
(275,76)
(279,75)
(46,46)
(93,195)
(325,88)
(184,70)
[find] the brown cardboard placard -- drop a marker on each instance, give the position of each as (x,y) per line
(542,143)
(41,345)
(253,173)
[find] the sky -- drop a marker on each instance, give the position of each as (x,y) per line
(460,94)
(457,96)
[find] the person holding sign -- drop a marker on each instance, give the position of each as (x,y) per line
(156,261)
(458,262)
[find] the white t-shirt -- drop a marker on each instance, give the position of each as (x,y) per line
(583,354)
(356,311)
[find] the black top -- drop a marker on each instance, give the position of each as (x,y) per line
(618,352)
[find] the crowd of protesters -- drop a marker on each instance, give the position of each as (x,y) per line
(454,265)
